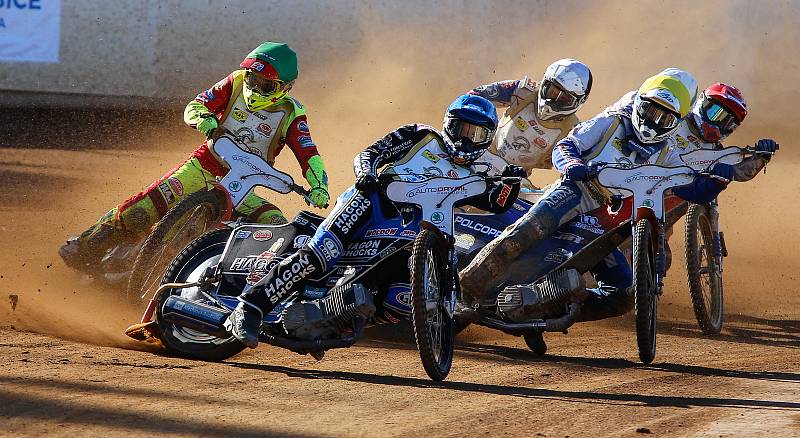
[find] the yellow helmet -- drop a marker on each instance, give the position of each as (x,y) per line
(658,108)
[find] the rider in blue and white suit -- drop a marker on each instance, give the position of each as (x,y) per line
(469,127)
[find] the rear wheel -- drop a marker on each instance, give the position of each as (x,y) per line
(431,292)
(187,220)
(189,266)
(644,284)
(705,280)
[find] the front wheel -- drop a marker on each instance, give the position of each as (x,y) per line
(187,220)
(644,284)
(431,291)
(190,265)
(705,280)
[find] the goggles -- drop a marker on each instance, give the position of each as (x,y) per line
(559,98)
(657,115)
(718,116)
(261,85)
(461,129)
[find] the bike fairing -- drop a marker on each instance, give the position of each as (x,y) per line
(417,147)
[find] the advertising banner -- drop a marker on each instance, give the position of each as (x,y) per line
(30,30)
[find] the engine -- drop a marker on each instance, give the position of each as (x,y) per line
(543,299)
(326,316)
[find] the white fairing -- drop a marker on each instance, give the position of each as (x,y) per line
(646,183)
(436,196)
(702,159)
(248,170)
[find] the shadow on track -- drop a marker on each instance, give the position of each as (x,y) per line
(525,392)
(16,402)
(742,329)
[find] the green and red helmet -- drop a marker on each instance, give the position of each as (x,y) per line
(274,61)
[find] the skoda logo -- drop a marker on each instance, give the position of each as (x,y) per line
(437,217)
(235,186)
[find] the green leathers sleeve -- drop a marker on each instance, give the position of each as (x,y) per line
(195,112)
(317,177)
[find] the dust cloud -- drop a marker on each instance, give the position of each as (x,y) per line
(410,63)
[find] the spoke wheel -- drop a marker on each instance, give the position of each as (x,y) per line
(705,280)
(644,284)
(189,219)
(431,293)
(188,266)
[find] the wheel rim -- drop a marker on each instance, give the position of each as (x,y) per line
(433,314)
(189,227)
(652,298)
(709,275)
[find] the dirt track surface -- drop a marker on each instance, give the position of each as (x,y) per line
(66,368)
(589,385)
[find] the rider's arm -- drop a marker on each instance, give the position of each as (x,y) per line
(583,137)
(298,138)
(211,102)
(389,148)
(499,93)
(749,168)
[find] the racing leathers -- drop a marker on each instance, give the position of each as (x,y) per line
(411,153)
(263,132)
(608,137)
(523,138)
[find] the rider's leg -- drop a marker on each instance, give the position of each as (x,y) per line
(258,210)
(133,218)
(614,294)
(347,221)
(562,202)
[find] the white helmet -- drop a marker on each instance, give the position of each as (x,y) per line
(564,88)
(659,107)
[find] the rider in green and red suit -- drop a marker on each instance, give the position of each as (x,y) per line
(251,103)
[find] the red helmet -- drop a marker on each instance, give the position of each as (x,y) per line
(719,111)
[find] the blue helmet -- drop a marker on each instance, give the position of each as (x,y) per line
(469,127)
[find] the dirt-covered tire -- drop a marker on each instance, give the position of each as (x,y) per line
(187,220)
(644,284)
(535,341)
(705,280)
(430,283)
(187,266)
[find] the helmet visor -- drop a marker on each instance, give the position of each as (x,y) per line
(461,129)
(262,85)
(558,98)
(718,116)
(658,116)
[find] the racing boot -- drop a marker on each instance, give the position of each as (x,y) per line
(244,323)
(84,253)
(484,273)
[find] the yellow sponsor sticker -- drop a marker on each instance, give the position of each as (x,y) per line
(617,144)
(429,155)
(521,124)
(682,143)
(239,115)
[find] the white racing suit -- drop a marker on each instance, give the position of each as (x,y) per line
(522,139)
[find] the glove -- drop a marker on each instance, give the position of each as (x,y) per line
(319,196)
(367,183)
(207,126)
(767,145)
(514,171)
(578,171)
(723,171)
